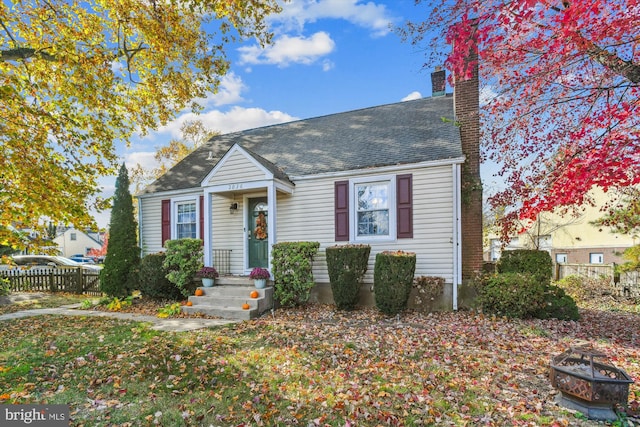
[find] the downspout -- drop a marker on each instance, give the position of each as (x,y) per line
(456,238)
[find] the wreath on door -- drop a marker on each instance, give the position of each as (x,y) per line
(260,231)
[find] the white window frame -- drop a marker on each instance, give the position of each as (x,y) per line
(596,254)
(562,255)
(174,214)
(390,180)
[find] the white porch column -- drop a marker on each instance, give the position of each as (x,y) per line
(208,252)
(271,217)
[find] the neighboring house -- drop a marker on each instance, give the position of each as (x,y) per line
(571,239)
(388,176)
(72,241)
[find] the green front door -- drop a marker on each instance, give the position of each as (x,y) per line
(258,233)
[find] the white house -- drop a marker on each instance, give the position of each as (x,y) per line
(388,176)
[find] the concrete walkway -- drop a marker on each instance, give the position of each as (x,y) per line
(170,325)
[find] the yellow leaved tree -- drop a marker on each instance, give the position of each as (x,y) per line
(78,77)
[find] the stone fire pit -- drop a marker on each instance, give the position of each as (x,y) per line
(589,382)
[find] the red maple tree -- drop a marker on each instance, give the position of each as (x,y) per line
(561,93)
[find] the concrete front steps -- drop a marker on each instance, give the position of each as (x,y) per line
(226,297)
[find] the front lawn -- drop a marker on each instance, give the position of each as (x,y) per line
(312,366)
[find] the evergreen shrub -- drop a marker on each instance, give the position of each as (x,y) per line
(182,261)
(393,279)
(292,271)
(514,295)
(558,305)
(347,265)
(119,277)
(153,279)
(537,263)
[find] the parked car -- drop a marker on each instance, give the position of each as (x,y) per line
(82,259)
(50,261)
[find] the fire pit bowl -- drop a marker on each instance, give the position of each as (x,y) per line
(589,382)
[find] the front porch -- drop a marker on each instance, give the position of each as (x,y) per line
(227,297)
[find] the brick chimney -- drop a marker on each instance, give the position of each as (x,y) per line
(467,111)
(438,82)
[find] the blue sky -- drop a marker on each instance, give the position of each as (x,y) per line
(328,56)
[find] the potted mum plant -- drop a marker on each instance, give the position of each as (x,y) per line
(259,276)
(208,275)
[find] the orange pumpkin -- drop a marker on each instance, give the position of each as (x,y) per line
(189,303)
(199,292)
(254,294)
(246,306)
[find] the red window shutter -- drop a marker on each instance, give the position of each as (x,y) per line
(404,197)
(166,221)
(202,218)
(341,205)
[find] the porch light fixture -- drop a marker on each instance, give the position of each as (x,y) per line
(233,207)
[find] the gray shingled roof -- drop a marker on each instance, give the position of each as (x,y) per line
(392,134)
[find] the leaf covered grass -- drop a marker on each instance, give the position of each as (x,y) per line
(312,366)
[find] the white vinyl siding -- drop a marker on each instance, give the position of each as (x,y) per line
(227,230)
(150,221)
(237,168)
(309,215)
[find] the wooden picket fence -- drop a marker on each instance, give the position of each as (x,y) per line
(627,284)
(74,280)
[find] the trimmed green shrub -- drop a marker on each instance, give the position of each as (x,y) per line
(537,263)
(558,305)
(119,277)
(347,265)
(292,271)
(153,279)
(182,261)
(513,295)
(393,280)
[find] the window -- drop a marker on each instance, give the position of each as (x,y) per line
(73,236)
(372,209)
(596,258)
(561,258)
(186,220)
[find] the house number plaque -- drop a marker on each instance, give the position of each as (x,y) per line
(235,186)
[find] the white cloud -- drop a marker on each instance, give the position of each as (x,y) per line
(413,95)
(236,119)
(229,92)
(145,159)
(297,13)
(288,50)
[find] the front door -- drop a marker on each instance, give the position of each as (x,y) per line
(258,234)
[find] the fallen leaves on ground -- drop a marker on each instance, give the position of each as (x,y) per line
(313,367)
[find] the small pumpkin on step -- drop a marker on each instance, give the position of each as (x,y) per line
(246,306)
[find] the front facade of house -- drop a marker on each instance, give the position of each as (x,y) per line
(73,241)
(387,176)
